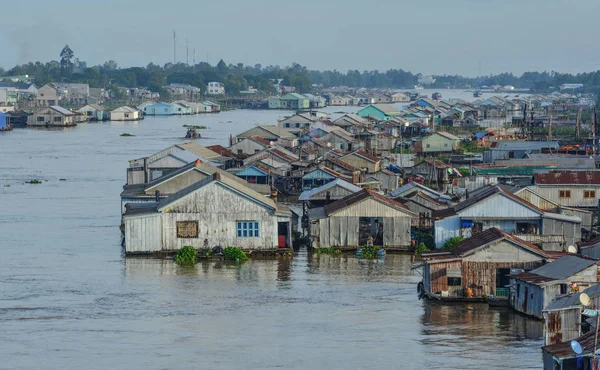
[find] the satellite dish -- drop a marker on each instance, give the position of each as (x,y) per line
(576,347)
(572,249)
(584,299)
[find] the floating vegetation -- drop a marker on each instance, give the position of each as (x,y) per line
(186,256)
(7,186)
(34,181)
(197,127)
(62,179)
(126,134)
(234,253)
(369,252)
(330,251)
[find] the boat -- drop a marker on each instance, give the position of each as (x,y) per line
(477,93)
(418,87)
(497,302)
(192,134)
(436,96)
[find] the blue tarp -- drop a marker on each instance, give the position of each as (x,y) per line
(466,223)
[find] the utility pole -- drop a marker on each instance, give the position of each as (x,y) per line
(594,124)
(550,122)
(578,124)
(174,48)
(187,53)
(194,67)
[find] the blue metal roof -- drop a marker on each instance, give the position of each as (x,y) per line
(251,171)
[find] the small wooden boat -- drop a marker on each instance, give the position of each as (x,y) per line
(192,134)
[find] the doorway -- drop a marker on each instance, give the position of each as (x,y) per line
(283,235)
(370,227)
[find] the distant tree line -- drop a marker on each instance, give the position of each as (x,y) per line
(238,77)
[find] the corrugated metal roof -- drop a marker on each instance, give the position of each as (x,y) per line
(564,301)
(307,195)
(564,351)
(531,278)
(563,267)
(525,145)
(561,177)
(199,150)
(359,197)
(469,245)
(62,110)
(218,176)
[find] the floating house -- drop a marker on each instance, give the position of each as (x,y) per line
(160,109)
(94,112)
(249,146)
(125,113)
(363,160)
(437,142)
(492,206)
(478,266)
(535,289)
(317,178)
(216,211)
(579,189)
(328,193)
(53,116)
(381,112)
(351,221)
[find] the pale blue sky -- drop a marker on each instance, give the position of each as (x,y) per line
(432,36)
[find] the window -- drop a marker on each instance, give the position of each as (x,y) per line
(287,125)
(256,151)
(564,194)
(40,119)
(126,115)
(240,151)
(428,146)
(454,281)
(187,229)
(57,119)
(589,194)
(247,229)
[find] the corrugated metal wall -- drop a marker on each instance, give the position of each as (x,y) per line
(143,234)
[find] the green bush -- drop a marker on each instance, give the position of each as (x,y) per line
(234,253)
(331,251)
(369,252)
(450,243)
(126,134)
(186,256)
(420,248)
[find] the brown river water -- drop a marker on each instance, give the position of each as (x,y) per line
(70,300)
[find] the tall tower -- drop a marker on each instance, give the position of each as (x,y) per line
(174,48)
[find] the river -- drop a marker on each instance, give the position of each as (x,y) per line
(70,300)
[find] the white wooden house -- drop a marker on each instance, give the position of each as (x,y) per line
(216,211)
(579,189)
(125,113)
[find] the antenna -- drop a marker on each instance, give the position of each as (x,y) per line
(584,299)
(578,124)
(194,60)
(174,48)
(576,347)
(187,53)
(572,249)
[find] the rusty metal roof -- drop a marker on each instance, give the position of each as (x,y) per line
(469,245)
(529,277)
(564,267)
(365,155)
(564,351)
(562,177)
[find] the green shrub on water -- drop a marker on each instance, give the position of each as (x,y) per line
(330,251)
(197,127)
(369,252)
(420,248)
(126,134)
(234,253)
(186,256)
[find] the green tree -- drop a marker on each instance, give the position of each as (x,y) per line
(66,60)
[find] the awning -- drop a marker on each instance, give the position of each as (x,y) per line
(466,223)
